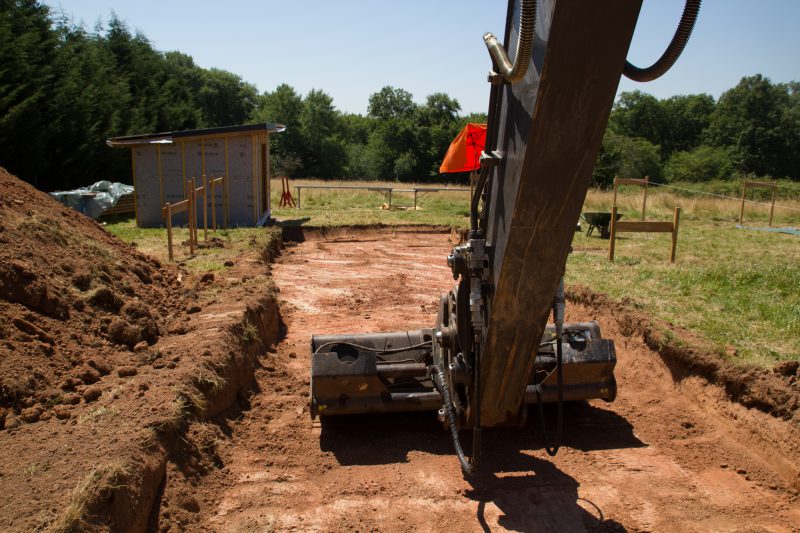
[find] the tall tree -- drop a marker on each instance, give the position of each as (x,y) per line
(758,120)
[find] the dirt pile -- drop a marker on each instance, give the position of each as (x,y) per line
(73,299)
(105,357)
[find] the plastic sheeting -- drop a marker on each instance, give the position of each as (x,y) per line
(95,199)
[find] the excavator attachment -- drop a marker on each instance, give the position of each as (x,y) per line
(389,372)
(491,351)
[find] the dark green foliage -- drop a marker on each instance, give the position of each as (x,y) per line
(705,163)
(760,121)
(65,90)
(753,129)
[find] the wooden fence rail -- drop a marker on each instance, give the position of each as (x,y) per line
(189,205)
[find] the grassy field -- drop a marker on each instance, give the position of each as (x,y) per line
(738,289)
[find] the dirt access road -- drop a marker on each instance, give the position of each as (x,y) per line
(665,456)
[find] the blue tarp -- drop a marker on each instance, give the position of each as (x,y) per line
(790,231)
(94,199)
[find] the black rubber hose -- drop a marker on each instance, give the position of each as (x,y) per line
(476,199)
(552,451)
(673,51)
(447,404)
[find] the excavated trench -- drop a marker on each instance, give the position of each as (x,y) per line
(673,452)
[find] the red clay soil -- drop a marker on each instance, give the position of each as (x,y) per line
(104,356)
(670,454)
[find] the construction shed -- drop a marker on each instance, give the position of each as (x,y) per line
(163,163)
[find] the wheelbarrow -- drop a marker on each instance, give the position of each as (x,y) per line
(600,220)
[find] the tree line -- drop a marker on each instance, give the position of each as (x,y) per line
(753,129)
(64,89)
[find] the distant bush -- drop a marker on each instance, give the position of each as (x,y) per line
(704,163)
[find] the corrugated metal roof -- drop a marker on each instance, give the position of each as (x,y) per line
(167,137)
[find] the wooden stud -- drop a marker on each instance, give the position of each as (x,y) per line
(192,219)
(269,174)
(225,188)
(254,176)
(213,204)
(133,175)
(675,222)
(160,174)
(205,209)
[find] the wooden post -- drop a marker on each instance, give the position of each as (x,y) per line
(415,199)
(192,219)
(613,236)
(297,188)
(169,231)
(390,199)
(772,207)
(205,209)
(644,202)
(614,202)
(744,194)
(225,201)
(675,222)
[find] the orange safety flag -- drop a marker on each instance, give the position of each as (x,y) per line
(464,153)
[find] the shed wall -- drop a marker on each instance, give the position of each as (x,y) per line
(161,174)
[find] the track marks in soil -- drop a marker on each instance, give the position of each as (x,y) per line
(664,456)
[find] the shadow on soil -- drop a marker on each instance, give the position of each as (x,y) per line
(532,494)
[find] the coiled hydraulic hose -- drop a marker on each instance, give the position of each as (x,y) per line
(673,51)
(516,71)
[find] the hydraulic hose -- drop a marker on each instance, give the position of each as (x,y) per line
(558,318)
(516,71)
(673,51)
(466,466)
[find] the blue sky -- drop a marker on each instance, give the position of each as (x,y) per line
(352,48)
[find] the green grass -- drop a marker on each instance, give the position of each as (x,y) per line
(738,290)
(350,208)
(153,241)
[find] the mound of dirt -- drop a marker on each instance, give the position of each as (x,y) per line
(74,302)
(105,355)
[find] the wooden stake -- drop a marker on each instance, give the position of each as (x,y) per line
(772,207)
(675,222)
(744,194)
(169,231)
(613,236)
(644,202)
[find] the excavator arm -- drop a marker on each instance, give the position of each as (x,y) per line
(491,351)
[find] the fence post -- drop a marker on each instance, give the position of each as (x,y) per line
(297,188)
(675,222)
(613,235)
(744,194)
(644,202)
(772,207)
(169,231)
